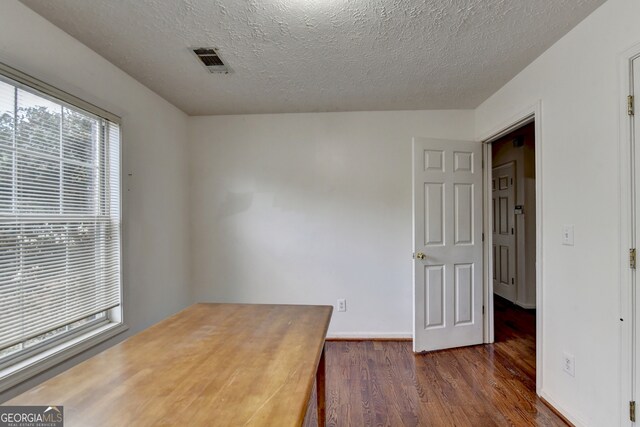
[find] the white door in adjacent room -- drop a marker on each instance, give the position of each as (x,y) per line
(447,225)
(503,196)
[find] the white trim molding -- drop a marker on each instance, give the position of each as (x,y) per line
(576,421)
(525,306)
(370,336)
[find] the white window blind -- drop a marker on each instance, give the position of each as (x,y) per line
(59,214)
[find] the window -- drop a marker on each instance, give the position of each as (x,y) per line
(59,219)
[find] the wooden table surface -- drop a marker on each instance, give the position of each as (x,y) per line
(209,365)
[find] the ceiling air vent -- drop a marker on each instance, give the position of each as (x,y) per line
(211,59)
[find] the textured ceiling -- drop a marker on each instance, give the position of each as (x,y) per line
(320,55)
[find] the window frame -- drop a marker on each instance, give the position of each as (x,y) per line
(30,362)
(33,350)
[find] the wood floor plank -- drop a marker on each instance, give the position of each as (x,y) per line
(383,383)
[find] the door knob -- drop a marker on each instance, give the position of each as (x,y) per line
(420,255)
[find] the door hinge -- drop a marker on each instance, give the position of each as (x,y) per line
(630,106)
(483,309)
(632,411)
(632,258)
(483,237)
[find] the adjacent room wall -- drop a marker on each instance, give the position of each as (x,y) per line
(155,234)
(577,81)
(309,208)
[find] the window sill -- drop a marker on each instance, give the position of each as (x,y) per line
(28,368)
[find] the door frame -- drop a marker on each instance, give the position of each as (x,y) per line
(530,114)
(629,303)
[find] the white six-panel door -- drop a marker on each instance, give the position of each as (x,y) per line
(447,224)
(503,196)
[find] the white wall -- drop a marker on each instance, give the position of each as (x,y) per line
(309,208)
(577,80)
(155,239)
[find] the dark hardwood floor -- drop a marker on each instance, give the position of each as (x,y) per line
(371,383)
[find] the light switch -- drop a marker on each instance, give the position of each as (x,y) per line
(567,235)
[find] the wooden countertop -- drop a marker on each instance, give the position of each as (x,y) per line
(210,364)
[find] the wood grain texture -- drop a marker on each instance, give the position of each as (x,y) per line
(211,364)
(386,384)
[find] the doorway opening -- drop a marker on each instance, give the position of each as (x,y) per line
(512,229)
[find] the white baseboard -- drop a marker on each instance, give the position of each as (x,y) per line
(369,335)
(576,421)
(527,306)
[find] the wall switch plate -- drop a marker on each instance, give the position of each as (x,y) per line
(342,304)
(569,364)
(567,235)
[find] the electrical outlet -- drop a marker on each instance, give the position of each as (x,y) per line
(342,304)
(569,364)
